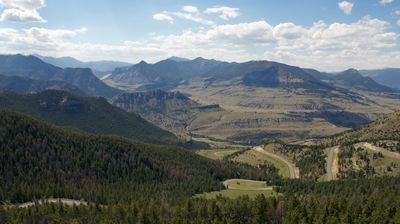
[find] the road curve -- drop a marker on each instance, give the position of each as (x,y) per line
(293,170)
(332,163)
(385,152)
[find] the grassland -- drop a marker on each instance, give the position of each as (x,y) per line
(238,187)
(216,154)
(255,158)
(388,164)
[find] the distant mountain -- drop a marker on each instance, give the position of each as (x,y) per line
(94,115)
(70,62)
(388,77)
(352,78)
(26,66)
(178,59)
(85,80)
(284,76)
(169,73)
(26,85)
(34,68)
(165,74)
(170,110)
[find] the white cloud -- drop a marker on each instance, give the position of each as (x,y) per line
(21,10)
(367,43)
(18,15)
(289,31)
(190,9)
(384,2)
(346,7)
(187,12)
(226,13)
(398,22)
(23,4)
(48,35)
(163,17)
(193,17)
(397,12)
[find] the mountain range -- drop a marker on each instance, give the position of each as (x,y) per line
(260,99)
(388,77)
(33,68)
(169,73)
(98,67)
(353,79)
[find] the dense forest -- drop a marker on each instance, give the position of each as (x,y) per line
(352,201)
(125,181)
(39,160)
(89,114)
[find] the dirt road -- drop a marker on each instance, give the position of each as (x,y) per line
(293,170)
(332,163)
(385,152)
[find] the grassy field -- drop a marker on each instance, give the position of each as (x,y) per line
(238,188)
(216,154)
(384,166)
(255,158)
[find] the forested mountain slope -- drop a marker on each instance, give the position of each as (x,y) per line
(90,114)
(39,160)
(26,85)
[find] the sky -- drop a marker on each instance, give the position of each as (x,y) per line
(328,35)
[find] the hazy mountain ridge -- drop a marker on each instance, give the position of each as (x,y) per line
(165,74)
(389,76)
(352,78)
(70,62)
(170,73)
(26,85)
(34,68)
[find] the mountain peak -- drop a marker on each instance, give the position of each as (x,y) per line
(177,59)
(142,62)
(350,71)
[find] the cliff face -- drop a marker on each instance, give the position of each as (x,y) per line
(170,110)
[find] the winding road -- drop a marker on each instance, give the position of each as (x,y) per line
(293,170)
(332,163)
(385,152)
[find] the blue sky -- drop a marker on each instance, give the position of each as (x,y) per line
(325,34)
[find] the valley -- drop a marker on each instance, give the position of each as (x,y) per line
(240,135)
(295,104)
(199,112)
